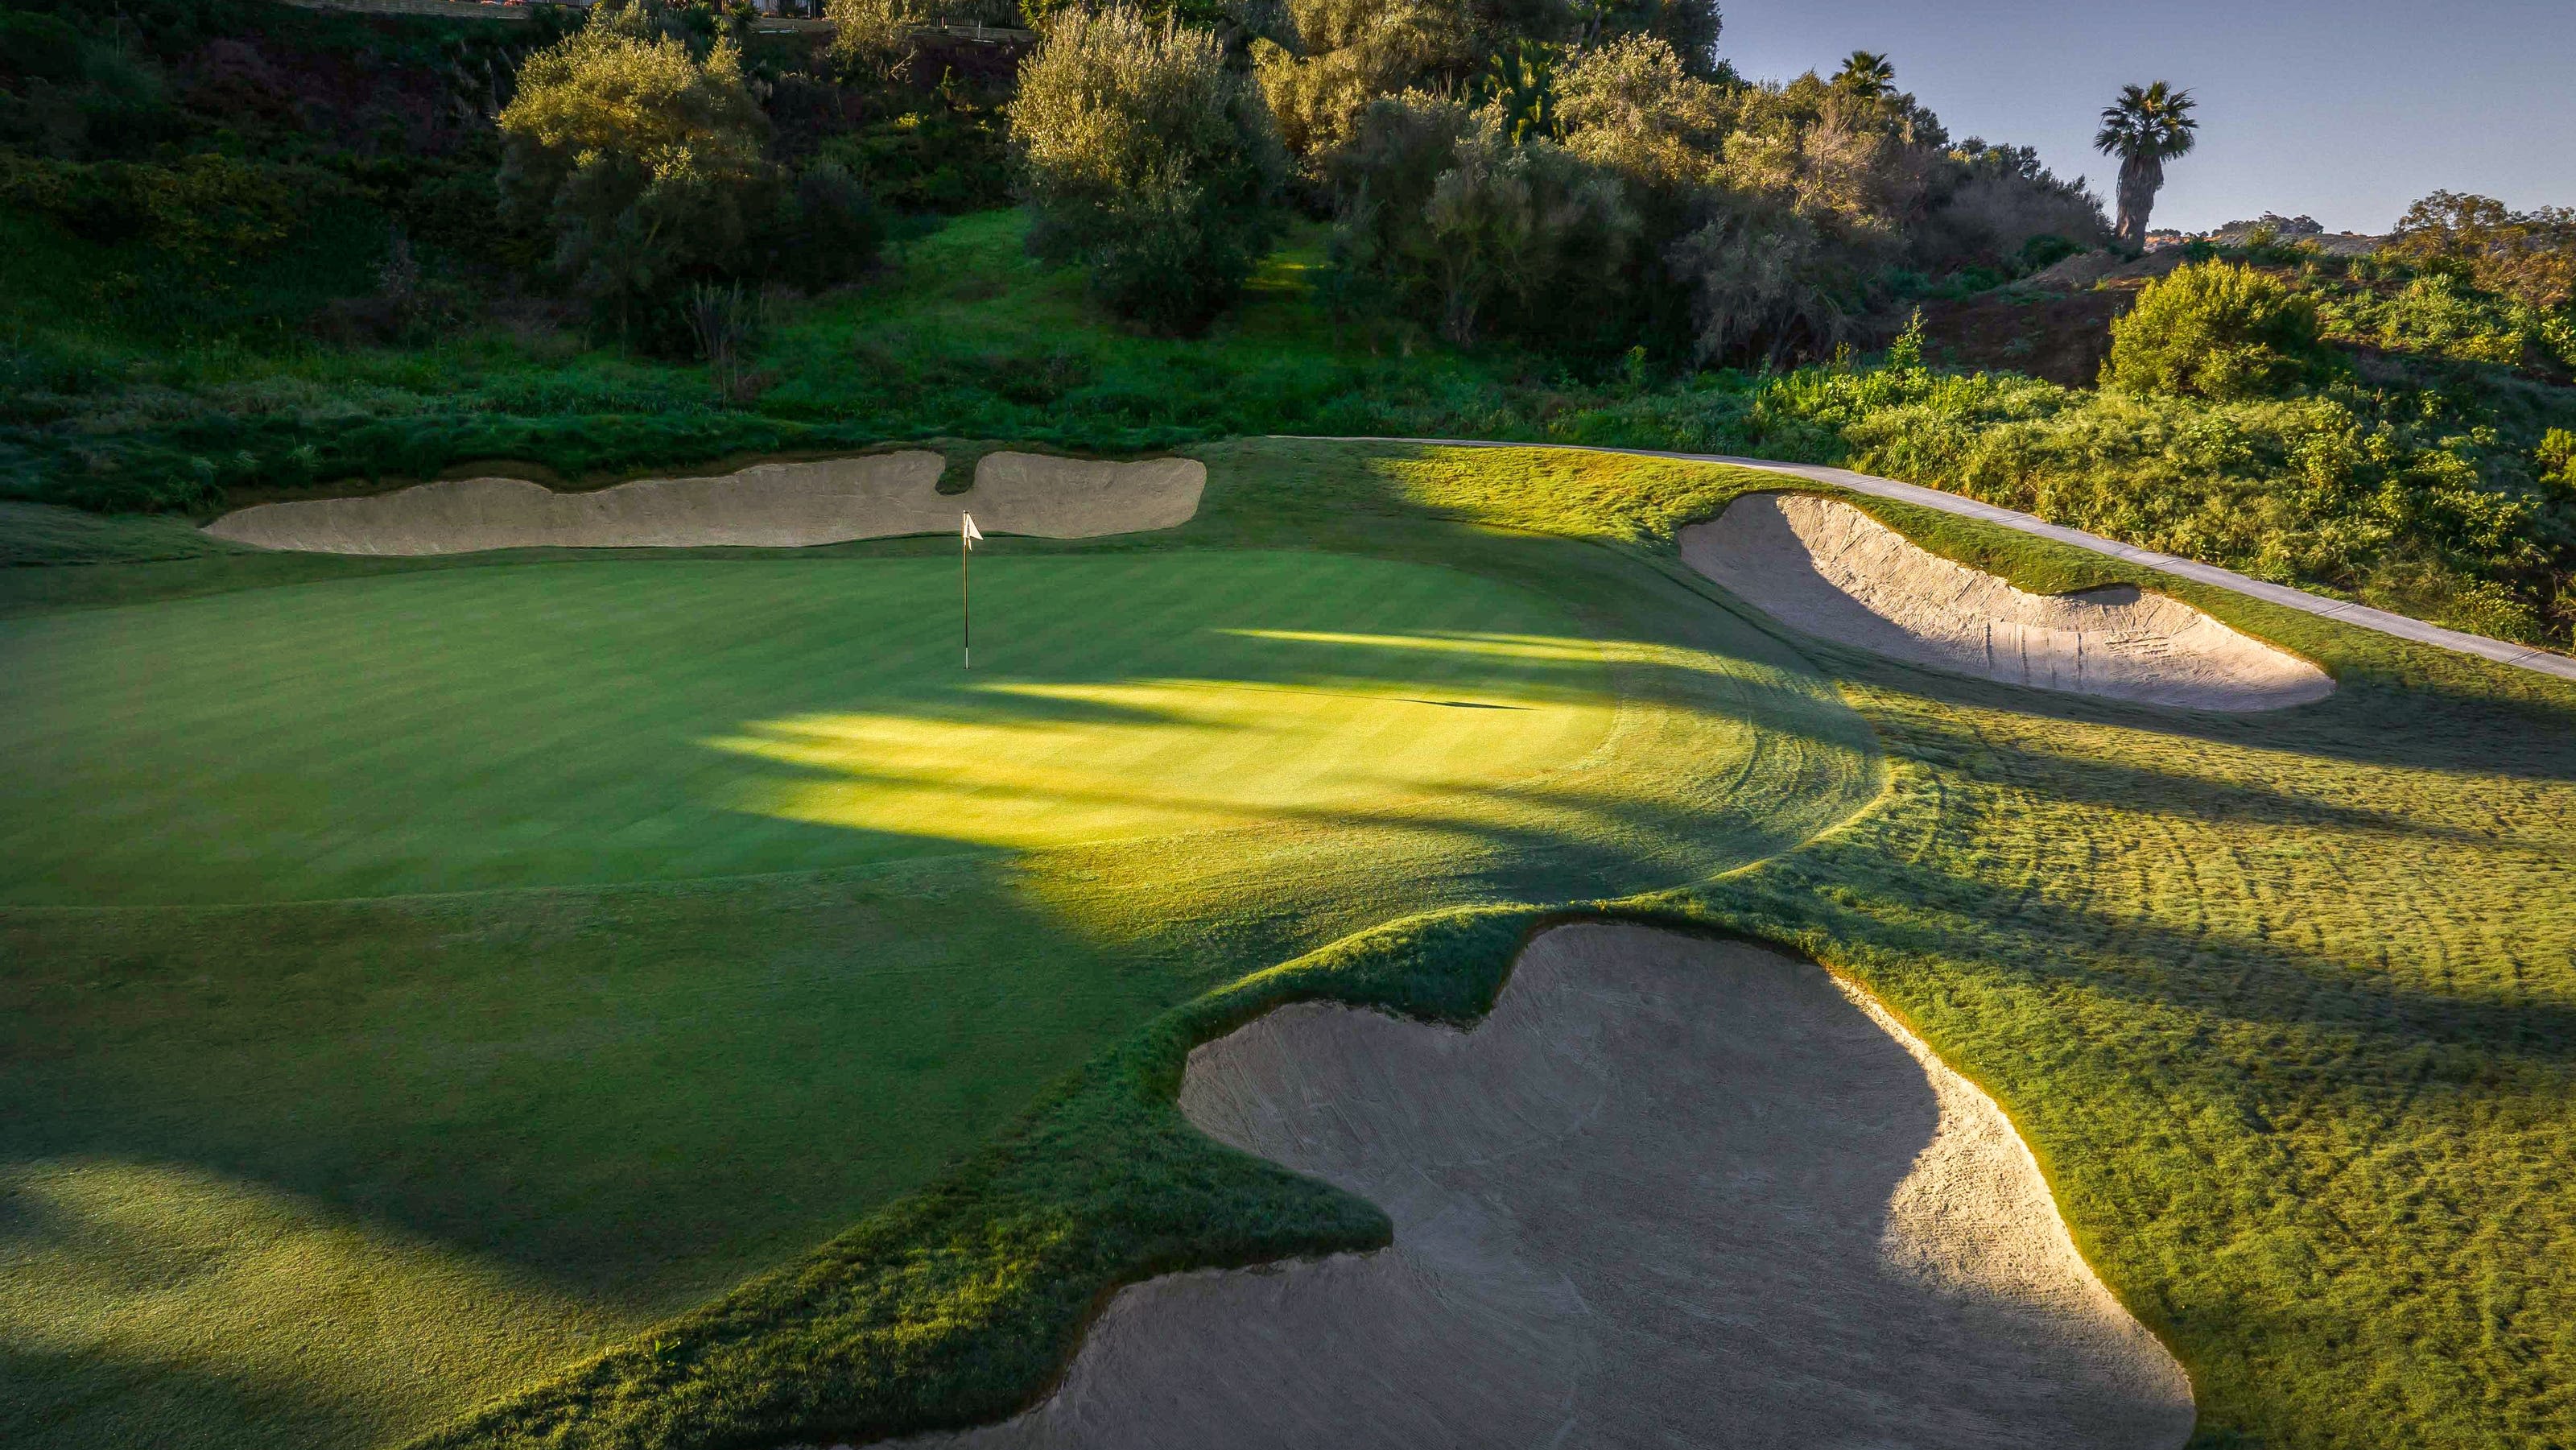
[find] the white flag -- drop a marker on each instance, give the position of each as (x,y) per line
(973,534)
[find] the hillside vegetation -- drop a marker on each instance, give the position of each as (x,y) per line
(233,270)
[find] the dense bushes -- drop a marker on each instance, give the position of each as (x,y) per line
(2215,330)
(2527,255)
(2396,498)
(203,210)
(1735,222)
(1144,158)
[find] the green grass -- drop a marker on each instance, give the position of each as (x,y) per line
(554,725)
(2283,1004)
(426,975)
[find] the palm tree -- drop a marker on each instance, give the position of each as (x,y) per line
(1866,74)
(2145,128)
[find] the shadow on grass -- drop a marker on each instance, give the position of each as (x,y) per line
(2394,703)
(635,1096)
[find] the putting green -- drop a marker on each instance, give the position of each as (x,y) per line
(552,725)
(428,979)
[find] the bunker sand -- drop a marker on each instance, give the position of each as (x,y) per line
(1670,1191)
(772,505)
(1830,570)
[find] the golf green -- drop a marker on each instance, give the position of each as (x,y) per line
(540,726)
(426,980)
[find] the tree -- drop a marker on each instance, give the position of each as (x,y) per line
(1866,74)
(1999,207)
(2146,127)
(1478,234)
(1632,105)
(1142,156)
(646,156)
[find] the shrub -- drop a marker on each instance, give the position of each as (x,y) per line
(1761,279)
(1994,203)
(726,323)
(2045,251)
(1142,157)
(2215,330)
(2555,460)
(831,230)
(876,32)
(879,34)
(2438,314)
(208,210)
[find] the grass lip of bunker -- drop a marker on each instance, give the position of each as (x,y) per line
(1664,1173)
(770,505)
(1826,568)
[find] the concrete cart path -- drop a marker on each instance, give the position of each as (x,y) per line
(2520,656)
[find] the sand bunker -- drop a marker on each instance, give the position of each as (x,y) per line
(772,505)
(1827,568)
(1075,498)
(1671,1192)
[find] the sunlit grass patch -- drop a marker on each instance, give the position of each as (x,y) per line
(1099,761)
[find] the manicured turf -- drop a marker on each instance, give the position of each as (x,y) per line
(563,724)
(424,978)
(2284,1004)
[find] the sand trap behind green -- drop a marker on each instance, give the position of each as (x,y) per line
(547,725)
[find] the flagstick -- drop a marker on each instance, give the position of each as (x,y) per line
(965,599)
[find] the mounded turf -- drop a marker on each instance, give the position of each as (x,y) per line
(2283,1004)
(423,979)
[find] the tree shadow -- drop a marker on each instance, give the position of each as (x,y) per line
(2037,941)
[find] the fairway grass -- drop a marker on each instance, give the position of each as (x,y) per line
(2283,1004)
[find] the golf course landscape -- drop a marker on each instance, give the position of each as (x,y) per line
(1286,725)
(657,997)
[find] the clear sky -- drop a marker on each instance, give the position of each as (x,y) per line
(2343,111)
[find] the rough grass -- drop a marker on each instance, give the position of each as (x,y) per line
(2281,1002)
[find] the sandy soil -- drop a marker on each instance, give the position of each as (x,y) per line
(772,505)
(1826,568)
(1074,498)
(1671,1192)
